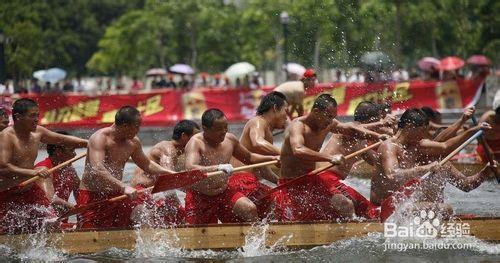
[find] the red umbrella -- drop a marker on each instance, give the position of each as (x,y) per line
(451,63)
(479,60)
(428,64)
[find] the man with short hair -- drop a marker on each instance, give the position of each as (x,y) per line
(60,184)
(492,137)
(406,156)
(295,91)
(23,210)
(170,155)
(4,119)
(214,198)
(313,198)
(367,115)
(108,151)
(257,137)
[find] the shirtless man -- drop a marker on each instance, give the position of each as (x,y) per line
(4,119)
(407,155)
(60,184)
(257,137)
(492,136)
(295,91)
(312,198)
(430,193)
(108,151)
(169,154)
(211,150)
(367,115)
(18,151)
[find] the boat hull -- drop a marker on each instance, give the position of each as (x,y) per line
(229,236)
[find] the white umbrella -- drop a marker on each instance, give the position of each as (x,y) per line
(55,74)
(52,75)
(39,74)
(295,68)
(156,72)
(239,69)
(181,69)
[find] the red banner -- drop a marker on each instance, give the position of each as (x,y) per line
(167,107)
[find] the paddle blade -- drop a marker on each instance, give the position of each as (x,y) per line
(389,204)
(80,209)
(178,180)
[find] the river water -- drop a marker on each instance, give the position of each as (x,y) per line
(482,201)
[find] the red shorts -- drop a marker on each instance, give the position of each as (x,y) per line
(116,214)
(306,200)
(24,212)
(362,206)
(494,148)
(249,185)
(204,209)
(170,211)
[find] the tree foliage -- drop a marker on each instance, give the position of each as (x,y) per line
(130,36)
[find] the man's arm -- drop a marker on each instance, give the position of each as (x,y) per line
(455,127)
(390,165)
(155,155)
(438,149)
(299,150)
(349,129)
(245,156)
(47,186)
(468,183)
(50,137)
(146,164)
(258,141)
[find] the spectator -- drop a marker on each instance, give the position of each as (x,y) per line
(68,87)
(56,89)
(171,83)
(35,87)
(339,77)
(20,89)
(136,84)
(217,81)
(162,83)
(184,83)
(47,88)
(357,77)
(255,83)
(246,82)
(154,83)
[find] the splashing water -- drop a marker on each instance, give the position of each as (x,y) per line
(255,242)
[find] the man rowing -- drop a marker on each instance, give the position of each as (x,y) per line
(295,91)
(406,156)
(366,114)
(170,155)
(214,198)
(492,137)
(24,210)
(60,184)
(4,119)
(257,137)
(313,198)
(108,151)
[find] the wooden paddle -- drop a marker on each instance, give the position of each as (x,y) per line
(487,151)
(51,170)
(317,171)
(388,205)
(164,183)
(183,179)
